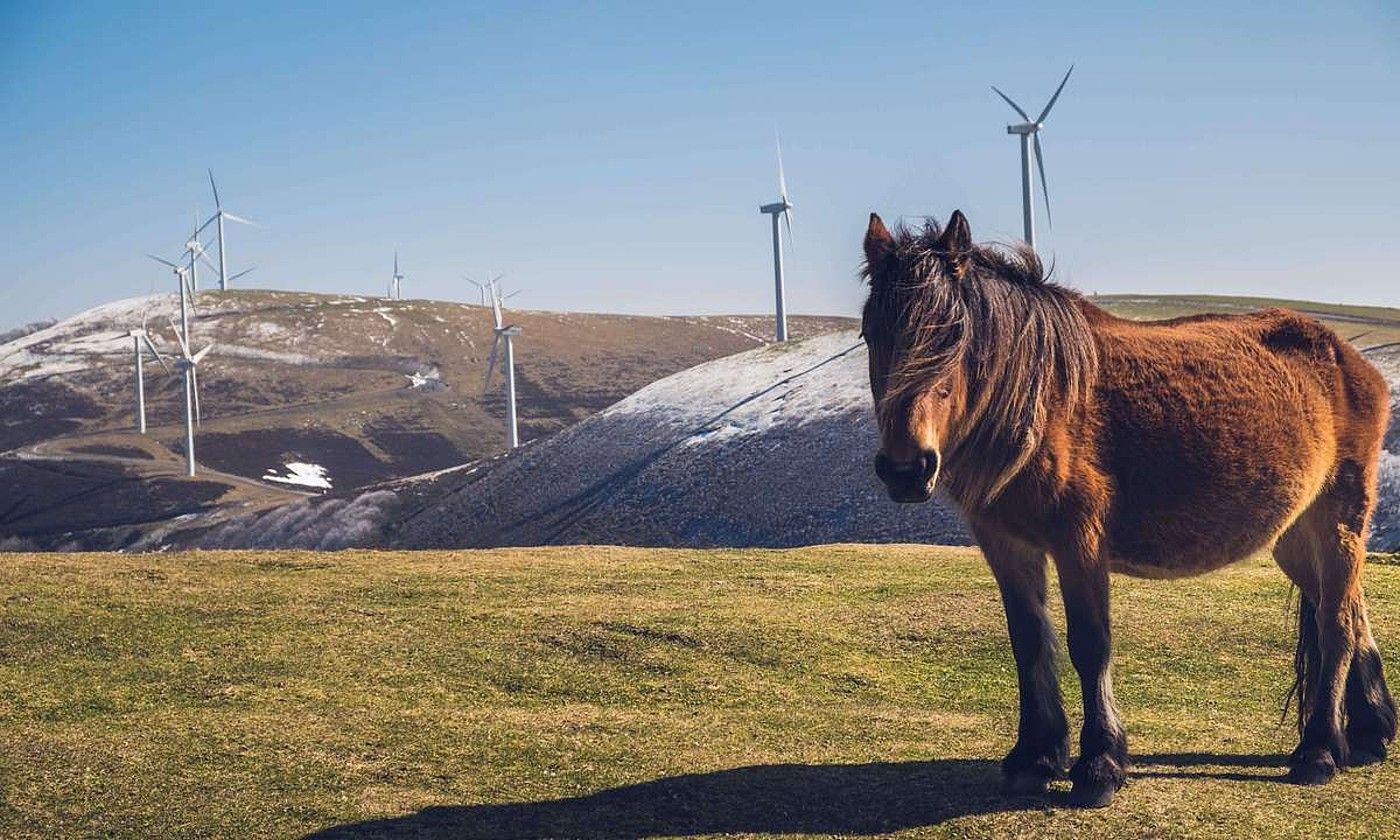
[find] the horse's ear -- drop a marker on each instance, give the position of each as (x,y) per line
(879,245)
(957,236)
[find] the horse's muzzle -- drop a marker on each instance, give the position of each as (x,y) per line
(909,482)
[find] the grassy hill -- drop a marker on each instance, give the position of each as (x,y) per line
(369,389)
(597,692)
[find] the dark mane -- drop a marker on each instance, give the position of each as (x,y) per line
(1022,342)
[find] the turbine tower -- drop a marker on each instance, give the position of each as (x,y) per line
(220,214)
(182,282)
(396,281)
(505,333)
(141,341)
(196,251)
(1029,132)
(188,364)
(782,207)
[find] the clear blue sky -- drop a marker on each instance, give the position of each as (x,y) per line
(612,158)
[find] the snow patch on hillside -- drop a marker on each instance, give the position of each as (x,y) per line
(302,475)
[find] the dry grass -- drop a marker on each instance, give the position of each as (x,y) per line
(601,692)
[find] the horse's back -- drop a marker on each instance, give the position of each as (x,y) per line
(1217,431)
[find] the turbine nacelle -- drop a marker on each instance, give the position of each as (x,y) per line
(782,205)
(1024,128)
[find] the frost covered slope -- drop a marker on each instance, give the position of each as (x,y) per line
(767,448)
(771,447)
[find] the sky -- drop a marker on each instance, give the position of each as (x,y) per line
(612,157)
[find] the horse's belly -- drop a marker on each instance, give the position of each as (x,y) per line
(1206,477)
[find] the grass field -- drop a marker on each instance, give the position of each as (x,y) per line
(586,692)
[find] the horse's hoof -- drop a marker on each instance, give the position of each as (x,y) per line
(1319,771)
(1025,784)
(1363,754)
(1092,794)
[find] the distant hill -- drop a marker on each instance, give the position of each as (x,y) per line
(368,389)
(770,447)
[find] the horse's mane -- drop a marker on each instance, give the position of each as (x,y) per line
(1022,341)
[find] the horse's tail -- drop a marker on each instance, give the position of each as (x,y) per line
(1307,661)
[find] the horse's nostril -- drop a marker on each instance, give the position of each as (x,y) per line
(928,464)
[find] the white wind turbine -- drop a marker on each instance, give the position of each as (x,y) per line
(195,249)
(1029,132)
(782,207)
(504,334)
(182,283)
(396,280)
(141,341)
(188,365)
(220,214)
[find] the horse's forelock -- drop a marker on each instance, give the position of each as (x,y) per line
(1021,342)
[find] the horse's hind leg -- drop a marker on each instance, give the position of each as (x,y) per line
(1338,673)
(1370,710)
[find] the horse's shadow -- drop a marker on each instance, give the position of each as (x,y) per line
(856,799)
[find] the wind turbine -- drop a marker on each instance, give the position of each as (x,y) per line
(220,214)
(489,287)
(782,207)
(141,340)
(182,282)
(188,364)
(195,249)
(396,280)
(504,334)
(1029,132)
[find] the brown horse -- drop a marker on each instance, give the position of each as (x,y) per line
(1157,449)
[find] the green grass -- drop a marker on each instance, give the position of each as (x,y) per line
(596,692)
(1366,326)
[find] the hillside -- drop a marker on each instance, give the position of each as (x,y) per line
(623,693)
(367,389)
(771,447)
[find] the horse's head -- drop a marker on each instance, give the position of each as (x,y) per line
(915,378)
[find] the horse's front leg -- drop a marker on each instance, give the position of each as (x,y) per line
(1042,742)
(1103,745)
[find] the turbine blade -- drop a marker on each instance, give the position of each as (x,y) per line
(491,365)
(179,339)
(1044,185)
(215,188)
(787,221)
(204,258)
(194,392)
(241,273)
(1051,103)
(1012,104)
(207,222)
(496,306)
(197,357)
(512,294)
(163,261)
(782,179)
(154,352)
(240,219)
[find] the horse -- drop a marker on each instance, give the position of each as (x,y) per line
(1157,449)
